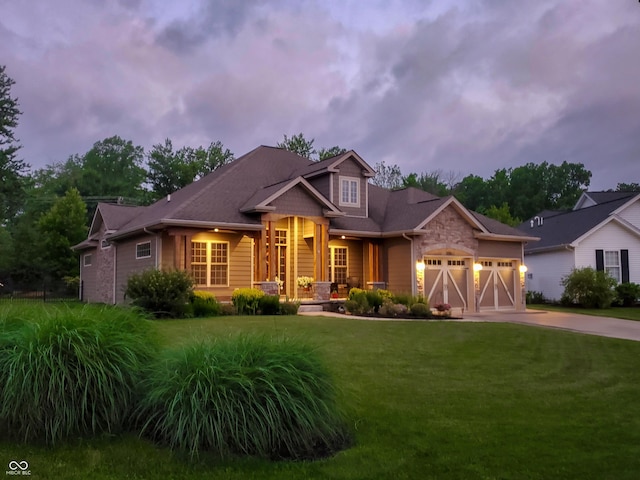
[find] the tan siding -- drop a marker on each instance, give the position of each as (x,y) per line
(350,168)
(297,201)
(489,248)
(127,264)
(240,256)
(397,265)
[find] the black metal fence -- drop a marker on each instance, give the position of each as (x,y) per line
(46,291)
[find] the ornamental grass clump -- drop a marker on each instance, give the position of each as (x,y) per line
(243,395)
(70,371)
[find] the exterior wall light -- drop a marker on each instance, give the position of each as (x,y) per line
(477,267)
(420,266)
(523,268)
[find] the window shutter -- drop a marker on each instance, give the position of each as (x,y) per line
(600,260)
(624,260)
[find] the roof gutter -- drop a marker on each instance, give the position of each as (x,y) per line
(563,246)
(188,223)
(505,238)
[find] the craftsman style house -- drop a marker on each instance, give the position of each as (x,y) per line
(271,216)
(602,231)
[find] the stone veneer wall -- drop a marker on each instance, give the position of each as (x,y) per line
(448,231)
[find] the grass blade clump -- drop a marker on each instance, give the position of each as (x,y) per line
(70,371)
(244,395)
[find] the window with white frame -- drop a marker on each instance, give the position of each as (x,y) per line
(87,259)
(350,191)
(612,263)
(339,263)
(210,263)
(143,250)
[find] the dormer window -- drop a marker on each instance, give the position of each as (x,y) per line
(349,191)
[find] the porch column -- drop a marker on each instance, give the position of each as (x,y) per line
(325,252)
(273,261)
(261,255)
(187,259)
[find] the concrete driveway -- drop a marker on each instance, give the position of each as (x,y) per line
(603,326)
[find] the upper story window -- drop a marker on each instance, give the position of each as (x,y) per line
(350,191)
(143,250)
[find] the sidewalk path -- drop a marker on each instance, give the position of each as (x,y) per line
(602,326)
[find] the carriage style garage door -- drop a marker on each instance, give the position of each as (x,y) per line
(446,280)
(497,285)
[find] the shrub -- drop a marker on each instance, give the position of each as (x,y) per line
(534,297)
(390,309)
(269,304)
(357,303)
(163,293)
(420,310)
(374,299)
(627,294)
(67,372)
(243,395)
(247,300)
(408,299)
(204,304)
(588,288)
(289,308)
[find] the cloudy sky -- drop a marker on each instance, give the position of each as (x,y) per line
(466,86)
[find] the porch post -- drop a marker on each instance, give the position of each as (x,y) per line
(325,252)
(272,251)
(187,260)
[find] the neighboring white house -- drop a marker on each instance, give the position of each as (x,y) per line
(602,231)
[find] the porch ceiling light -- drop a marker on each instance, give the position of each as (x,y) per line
(523,268)
(420,266)
(477,267)
(343,237)
(216,230)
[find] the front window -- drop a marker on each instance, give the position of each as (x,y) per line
(339,264)
(210,263)
(350,191)
(612,264)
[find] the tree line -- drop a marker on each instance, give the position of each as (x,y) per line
(45,211)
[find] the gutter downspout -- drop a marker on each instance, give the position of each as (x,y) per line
(413,265)
(115,270)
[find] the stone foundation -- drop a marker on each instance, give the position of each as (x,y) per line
(269,288)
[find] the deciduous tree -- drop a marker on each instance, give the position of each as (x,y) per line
(12,169)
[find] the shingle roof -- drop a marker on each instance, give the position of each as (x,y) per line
(562,229)
(222,196)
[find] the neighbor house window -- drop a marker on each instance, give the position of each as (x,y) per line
(143,250)
(210,263)
(612,263)
(350,191)
(339,262)
(87,260)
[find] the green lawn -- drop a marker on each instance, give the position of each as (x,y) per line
(625,313)
(427,400)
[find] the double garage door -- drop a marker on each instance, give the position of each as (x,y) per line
(450,280)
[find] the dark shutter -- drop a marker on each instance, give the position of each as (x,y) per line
(624,261)
(600,260)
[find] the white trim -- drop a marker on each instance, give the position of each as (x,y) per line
(140,257)
(460,208)
(332,259)
(613,218)
(351,181)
